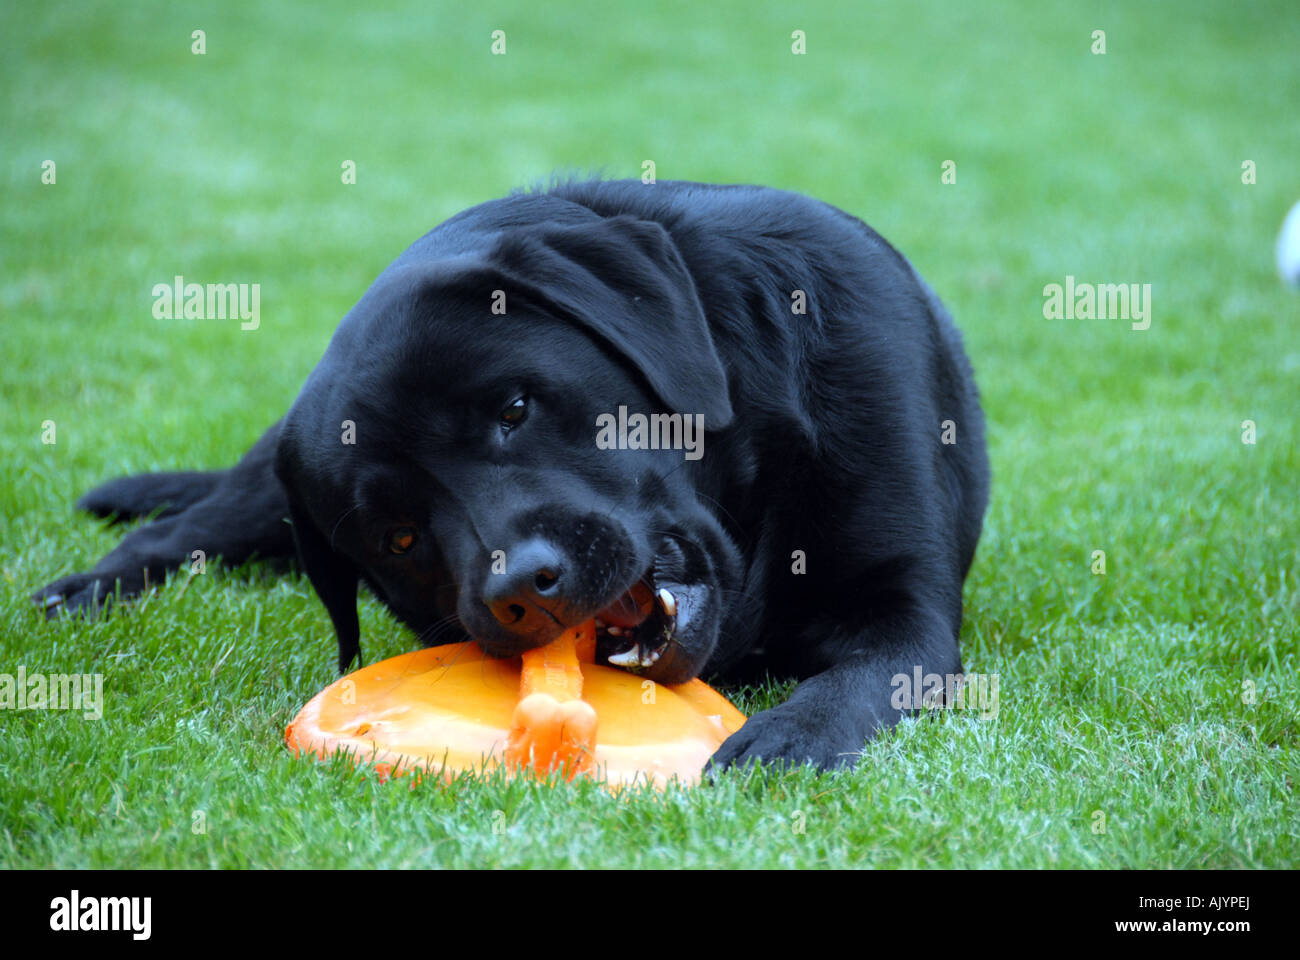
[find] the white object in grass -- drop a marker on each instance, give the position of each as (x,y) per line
(1288,248)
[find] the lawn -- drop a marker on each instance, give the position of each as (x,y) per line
(1147,716)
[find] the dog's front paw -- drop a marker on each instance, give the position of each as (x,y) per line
(786,736)
(80,593)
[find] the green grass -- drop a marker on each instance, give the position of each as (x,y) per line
(1120,693)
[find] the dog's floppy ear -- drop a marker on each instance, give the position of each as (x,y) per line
(333,575)
(624,281)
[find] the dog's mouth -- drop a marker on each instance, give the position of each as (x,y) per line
(638,628)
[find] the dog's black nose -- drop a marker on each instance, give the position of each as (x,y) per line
(532,585)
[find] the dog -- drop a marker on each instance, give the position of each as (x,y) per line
(473,448)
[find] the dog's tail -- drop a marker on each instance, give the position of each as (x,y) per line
(127,498)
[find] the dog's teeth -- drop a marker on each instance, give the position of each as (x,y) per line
(633,657)
(668,602)
(628,658)
(614,631)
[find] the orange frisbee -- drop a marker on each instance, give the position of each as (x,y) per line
(450,709)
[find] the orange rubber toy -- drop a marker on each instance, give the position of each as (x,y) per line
(449,709)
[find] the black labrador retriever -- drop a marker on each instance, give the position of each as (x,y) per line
(731,423)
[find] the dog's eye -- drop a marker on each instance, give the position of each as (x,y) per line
(400,540)
(515,412)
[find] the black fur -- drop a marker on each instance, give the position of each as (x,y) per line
(823,448)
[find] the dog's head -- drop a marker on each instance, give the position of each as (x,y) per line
(446,450)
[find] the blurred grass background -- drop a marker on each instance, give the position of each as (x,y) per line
(1120,693)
